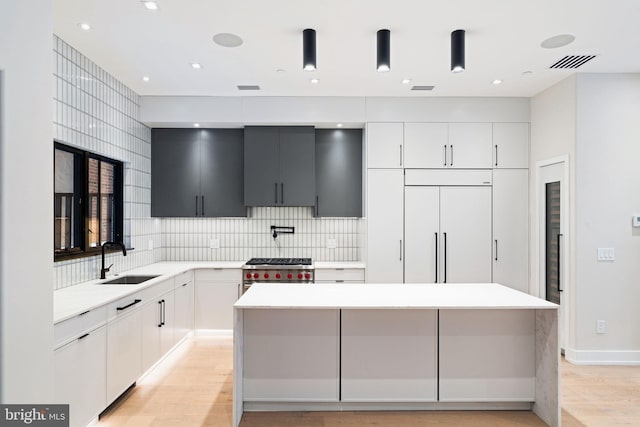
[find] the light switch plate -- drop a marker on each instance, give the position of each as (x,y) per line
(601,326)
(331,243)
(606,254)
(214,243)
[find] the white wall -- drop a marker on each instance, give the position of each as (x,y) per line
(607,195)
(26,201)
(553,134)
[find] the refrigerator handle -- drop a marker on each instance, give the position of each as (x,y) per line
(496,154)
(444,152)
(559,259)
(445,257)
(400,249)
(496,254)
(436,279)
(451,164)
(400,154)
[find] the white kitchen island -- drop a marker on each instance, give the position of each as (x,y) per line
(301,347)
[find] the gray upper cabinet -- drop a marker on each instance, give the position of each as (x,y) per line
(197,172)
(339,172)
(279,166)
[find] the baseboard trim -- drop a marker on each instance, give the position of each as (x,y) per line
(213,332)
(602,357)
(253,406)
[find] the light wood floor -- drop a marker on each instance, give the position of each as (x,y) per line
(193,387)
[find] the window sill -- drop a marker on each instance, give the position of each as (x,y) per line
(66,256)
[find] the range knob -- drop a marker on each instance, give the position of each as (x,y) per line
(289,276)
(248,275)
(266,275)
(307,276)
(299,275)
(255,275)
(278,275)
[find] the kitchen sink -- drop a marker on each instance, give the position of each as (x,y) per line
(128,280)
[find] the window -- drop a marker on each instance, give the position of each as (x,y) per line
(87,202)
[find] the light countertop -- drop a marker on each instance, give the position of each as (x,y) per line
(73,300)
(389,296)
(338,264)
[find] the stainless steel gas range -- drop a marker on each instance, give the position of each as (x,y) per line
(277,270)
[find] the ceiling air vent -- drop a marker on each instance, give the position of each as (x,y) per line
(422,87)
(248,87)
(573,61)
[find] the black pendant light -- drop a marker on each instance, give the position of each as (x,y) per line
(383,60)
(309,50)
(457,51)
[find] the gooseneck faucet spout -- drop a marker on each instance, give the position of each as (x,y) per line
(103,271)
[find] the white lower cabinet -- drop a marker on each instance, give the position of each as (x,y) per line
(167,331)
(158,324)
(389,355)
(124,351)
(339,275)
(80,376)
(183,309)
(215,293)
(487,355)
(291,355)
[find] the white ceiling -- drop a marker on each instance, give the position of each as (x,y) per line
(503,40)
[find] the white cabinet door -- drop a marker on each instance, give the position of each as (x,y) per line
(214,304)
(385,193)
(389,356)
(465,225)
(151,314)
(384,145)
(290,355)
(421,234)
(124,352)
(167,331)
(425,145)
(511,145)
(80,375)
(470,146)
(511,228)
(183,309)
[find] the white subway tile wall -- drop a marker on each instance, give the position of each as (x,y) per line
(189,239)
(95,112)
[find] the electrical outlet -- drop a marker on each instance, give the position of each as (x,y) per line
(214,243)
(601,326)
(331,243)
(150,245)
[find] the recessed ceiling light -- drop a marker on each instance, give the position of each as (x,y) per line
(314,81)
(145,78)
(151,5)
(84,26)
(406,81)
(496,82)
(196,65)
(339,125)
(196,125)
(558,41)
(227,40)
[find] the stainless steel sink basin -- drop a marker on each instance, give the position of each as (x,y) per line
(128,280)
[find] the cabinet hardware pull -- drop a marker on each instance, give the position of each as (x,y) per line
(196,205)
(400,249)
(400,154)
(339,269)
(436,279)
(282,193)
(445,257)
(559,258)
(496,258)
(164,312)
(276,191)
(84,312)
(83,336)
(339,281)
(317,206)
(185,284)
(160,308)
(128,305)
(496,154)
(451,164)
(444,151)
(202,198)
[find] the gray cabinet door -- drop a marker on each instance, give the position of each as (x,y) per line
(221,172)
(339,172)
(175,172)
(297,166)
(261,183)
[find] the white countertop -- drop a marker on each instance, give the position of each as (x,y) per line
(389,296)
(338,264)
(71,301)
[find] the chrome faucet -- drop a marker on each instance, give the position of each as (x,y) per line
(103,272)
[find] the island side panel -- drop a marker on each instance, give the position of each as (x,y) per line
(389,356)
(238,334)
(487,355)
(291,355)
(547,404)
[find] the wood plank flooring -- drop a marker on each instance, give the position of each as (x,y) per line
(193,387)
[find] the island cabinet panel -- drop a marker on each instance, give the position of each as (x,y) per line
(389,355)
(487,355)
(291,355)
